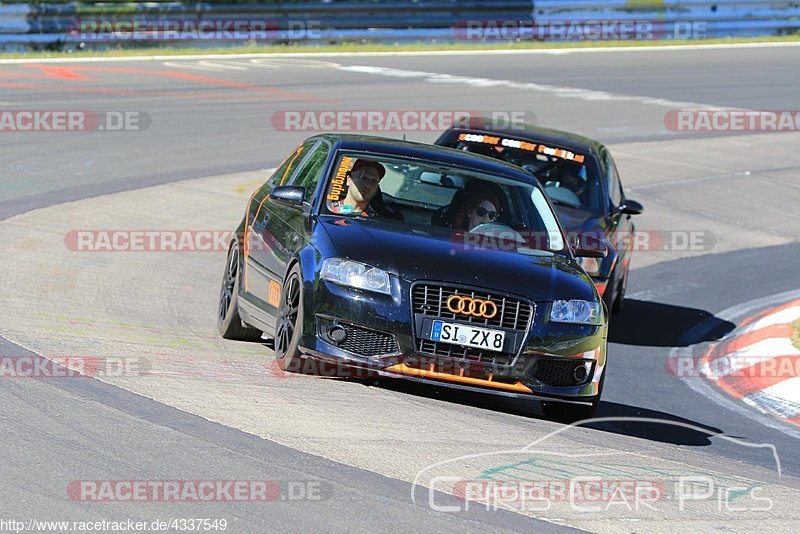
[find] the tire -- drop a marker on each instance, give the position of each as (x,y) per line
(610,295)
(619,302)
(569,413)
(289,323)
(229,322)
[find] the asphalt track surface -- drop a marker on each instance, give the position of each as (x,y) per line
(212,412)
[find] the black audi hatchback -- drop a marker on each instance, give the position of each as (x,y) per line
(418,262)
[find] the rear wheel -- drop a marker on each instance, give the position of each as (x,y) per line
(289,326)
(229,322)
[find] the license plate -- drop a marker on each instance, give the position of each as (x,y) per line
(469,336)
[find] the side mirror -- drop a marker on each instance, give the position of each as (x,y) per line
(289,195)
(630,207)
(588,246)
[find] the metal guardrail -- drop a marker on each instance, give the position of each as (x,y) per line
(331,21)
(60,25)
(717,18)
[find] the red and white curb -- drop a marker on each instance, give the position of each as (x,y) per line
(758,363)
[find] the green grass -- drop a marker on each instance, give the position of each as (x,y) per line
(796,333)
(414,47)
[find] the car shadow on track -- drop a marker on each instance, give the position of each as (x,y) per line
(653,431)
(653,324)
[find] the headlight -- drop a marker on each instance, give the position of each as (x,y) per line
(354,274)
(577,312)
(590,265)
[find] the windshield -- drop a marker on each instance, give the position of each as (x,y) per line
(480,209)
(569,178)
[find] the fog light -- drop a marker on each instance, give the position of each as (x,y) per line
(581,372)
(337,333)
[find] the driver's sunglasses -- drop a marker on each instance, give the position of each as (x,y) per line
(361,178)
(483,212)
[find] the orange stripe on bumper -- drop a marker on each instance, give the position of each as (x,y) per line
(404,369)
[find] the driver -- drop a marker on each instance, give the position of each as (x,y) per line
(363,182)
(364,193)
(570,178)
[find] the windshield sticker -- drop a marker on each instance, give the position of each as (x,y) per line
(521,145)
(560,153)
(337,184)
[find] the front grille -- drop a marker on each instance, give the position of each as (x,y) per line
(368,342)
(557,372)
(486,357)
(431,300)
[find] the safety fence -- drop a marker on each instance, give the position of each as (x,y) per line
(111,24)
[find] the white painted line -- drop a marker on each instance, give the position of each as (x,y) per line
(228,65)
(540,51)
(190,66)
(558,91)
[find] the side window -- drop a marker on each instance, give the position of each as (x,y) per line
(285,170)
(311,172)
(614,186)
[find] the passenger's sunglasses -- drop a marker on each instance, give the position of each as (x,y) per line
(483,212)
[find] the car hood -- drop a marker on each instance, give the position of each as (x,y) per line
(432,254)
(577,220)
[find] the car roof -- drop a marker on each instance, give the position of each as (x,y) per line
(447,156)
(529,132)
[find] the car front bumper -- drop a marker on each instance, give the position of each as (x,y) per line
(384,327)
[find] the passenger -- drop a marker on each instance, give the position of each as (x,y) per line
(479,205)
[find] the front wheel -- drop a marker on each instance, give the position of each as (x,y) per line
(289,326)
(619,302)
(570,413)
(609,296)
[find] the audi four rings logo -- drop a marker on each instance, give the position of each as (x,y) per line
(485,309)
